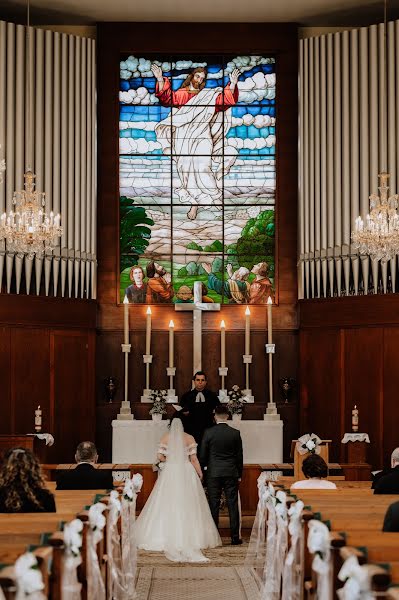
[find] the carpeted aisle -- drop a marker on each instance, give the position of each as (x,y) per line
(223,578)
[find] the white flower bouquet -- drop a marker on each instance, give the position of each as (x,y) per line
(158,397)
(236,400)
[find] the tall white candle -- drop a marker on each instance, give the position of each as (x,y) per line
(126,320)
(247,331)
(171,343)
(355,419)
(222,344)
(148,332)
(269,321)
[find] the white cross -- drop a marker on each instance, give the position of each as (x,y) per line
(197,308)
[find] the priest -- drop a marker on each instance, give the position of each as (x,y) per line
(198,406)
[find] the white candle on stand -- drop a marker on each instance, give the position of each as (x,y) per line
(222,344)
(148,332)
(171,343)
(126,320)
(269,321)
(355,419)
(247,331)
(38,419)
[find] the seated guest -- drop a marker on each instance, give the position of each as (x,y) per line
(22,487)
(315,470)
(85,476)
(389,483)
(391,520)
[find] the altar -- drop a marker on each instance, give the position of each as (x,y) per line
(136,442)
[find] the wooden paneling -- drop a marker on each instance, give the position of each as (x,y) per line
(390,385)
(363,384)
(44,364)
(73,383)
(320,385)
(30,377)
(43,311)
(5,368)
(349,354)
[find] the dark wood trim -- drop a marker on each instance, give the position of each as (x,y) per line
(351,311)
(232,38)
(39,311)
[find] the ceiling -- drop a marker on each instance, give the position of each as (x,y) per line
(333,13)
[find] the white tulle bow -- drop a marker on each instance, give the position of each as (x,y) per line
(310,442)
(73,536)
(28,576)
(97,520)
(114,502)
(132,487)
(357,583)
(319,545)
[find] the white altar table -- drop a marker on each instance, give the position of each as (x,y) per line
(136,442)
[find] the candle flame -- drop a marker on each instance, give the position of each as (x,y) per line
(247,311)
(355,405)
(222,324)
(269,300)
(171,324)
(149,310)
(125,300)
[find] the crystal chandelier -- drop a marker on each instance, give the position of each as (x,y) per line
(29,230)
(379,237)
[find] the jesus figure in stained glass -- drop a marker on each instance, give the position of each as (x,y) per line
(194,135)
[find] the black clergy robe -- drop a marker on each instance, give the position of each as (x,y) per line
(200,414)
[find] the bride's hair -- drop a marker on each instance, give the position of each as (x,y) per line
(176,415)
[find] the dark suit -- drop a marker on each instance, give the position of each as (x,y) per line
(200,415)
(391,521)
(377,476)
(389,484)
(84,477)
(221,453)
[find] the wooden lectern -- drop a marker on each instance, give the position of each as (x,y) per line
(299,458)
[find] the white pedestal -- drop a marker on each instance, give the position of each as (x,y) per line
(146,397)
(223,396)
(271,413)
(125,413)
(171,397)
(248,394)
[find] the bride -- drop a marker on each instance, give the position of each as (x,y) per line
(176,518)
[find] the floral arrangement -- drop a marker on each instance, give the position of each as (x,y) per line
(158,397)
(236,400)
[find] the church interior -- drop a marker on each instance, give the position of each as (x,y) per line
(201,188)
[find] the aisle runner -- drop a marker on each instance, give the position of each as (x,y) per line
(195,583)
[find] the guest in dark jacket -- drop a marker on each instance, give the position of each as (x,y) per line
(389,484)
(22,487)
(85,476)
(391,521)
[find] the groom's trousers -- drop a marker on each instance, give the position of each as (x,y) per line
(215,487)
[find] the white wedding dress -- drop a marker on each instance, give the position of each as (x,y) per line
(176,518)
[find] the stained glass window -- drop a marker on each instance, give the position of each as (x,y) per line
(197,151)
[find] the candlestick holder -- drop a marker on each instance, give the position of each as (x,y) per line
(271,409)
(222,374)
(171,397)
(247,360)
(145,398)
(125,411)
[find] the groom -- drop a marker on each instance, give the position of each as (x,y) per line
(221,453)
